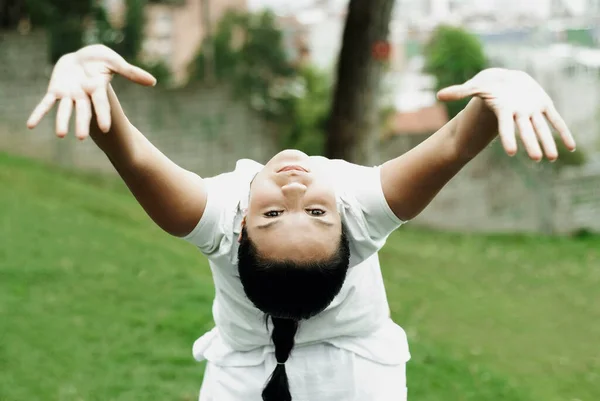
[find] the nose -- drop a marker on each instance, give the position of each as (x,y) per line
(294,190)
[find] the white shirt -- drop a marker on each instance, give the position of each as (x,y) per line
(358,319)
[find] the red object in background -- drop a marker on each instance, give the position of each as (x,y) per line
(382,50)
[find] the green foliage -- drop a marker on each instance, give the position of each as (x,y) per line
(310,112)
(159,69)
(250,57)
(39,12)
(66,36)
(248,53)
(226,57)
(103,32)
(64,21)
(128,40)
(454,56)
(133,31)
(46,13)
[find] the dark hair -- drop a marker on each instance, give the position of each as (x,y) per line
(288,292)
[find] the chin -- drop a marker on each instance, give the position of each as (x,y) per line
(289,155)
(293,153)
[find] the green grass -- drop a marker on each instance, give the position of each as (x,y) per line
(97,304)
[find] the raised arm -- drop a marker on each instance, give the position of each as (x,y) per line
(173,197)
(502,99)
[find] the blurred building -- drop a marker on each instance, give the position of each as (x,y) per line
(427,14)
(295,39)
(313,34)
(175,29)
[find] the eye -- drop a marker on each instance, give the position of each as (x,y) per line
(315,212)
(273,213)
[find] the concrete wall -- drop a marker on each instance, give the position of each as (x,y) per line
(203,129)
(495,193)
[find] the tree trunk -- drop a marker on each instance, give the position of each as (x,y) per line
(353,122)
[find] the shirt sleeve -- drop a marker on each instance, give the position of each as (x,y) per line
(212,229)
(367,216)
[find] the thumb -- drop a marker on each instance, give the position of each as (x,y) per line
(455,92)
(135,74)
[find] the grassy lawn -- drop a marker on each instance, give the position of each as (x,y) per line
(98,304)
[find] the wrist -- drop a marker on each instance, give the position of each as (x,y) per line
(476,126)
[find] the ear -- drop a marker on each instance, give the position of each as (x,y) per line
(243,224)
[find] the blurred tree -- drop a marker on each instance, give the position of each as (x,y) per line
(39,12)
(309,113)
(66,36)
(128,40)
(103,32)
(353,122)
(65,21)
(453,56)
(249,56)
(11,13)
(133,31)
(69,22)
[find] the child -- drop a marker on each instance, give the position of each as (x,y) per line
(293,244)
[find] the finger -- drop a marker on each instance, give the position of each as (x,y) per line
(65,108)
(506,130)
(83,116)
(456,92)
(129,71)
(545,136)
(562,128)
(528,137)
(102,108)
(41,110)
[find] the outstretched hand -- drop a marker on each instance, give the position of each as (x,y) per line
(516,98)
(82,78)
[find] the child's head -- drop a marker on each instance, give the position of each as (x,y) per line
(293,254)
(292,211)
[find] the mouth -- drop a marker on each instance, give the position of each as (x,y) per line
(292,168)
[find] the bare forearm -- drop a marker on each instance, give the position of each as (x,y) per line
(475,127)
(123,140)
(411,181)
(173,197)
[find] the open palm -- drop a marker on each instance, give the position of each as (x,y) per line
(516,98)
(81,80)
